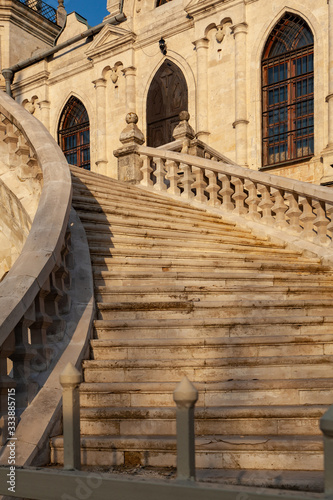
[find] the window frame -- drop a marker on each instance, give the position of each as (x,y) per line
(73,126)
(291,138)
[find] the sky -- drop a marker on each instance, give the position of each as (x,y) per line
(92,10)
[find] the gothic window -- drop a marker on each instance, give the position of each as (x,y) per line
(167,97)
(287,92)
(74,133)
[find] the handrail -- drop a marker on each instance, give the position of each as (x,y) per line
(286,204)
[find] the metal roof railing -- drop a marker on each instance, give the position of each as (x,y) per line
(42,8)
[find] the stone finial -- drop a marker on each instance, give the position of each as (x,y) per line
(131,134)
(185,394)
(184,129)
(61,13)
(70,377)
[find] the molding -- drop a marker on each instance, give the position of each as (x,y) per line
(196,8)
(109,40)
(66,74)
(31,82)
(164,33)
(238,122)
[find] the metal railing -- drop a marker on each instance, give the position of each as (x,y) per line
(42,8)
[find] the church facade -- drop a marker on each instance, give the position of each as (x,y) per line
(256,78)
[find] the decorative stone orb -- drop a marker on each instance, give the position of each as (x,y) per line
(132,118)
(184,115)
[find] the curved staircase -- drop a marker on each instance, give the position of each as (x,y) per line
(181,291)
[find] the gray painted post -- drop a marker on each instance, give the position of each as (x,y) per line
(326,426)
(70,380)
(185,396)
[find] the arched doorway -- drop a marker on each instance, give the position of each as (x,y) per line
(167,97)
(74,133)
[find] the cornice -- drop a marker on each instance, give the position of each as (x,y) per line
(30,82)
(198,9)
(145,39)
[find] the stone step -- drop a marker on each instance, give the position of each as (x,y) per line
(219,278)
(248,452)
(163,263)
(262,368)
(125,229)
(231,308)
(259,420)
(225,252)
(176,292)
(229,393)
(194,348)
(98,241)
(223,327)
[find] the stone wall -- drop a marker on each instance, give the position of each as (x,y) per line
(217,45)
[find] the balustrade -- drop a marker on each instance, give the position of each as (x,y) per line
(34,293)
(288,205)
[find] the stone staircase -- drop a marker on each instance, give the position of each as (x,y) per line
(180,291)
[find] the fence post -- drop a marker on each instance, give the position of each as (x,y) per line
(326,426)
(70,380)
(185,396)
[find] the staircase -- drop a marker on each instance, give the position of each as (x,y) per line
(182,291)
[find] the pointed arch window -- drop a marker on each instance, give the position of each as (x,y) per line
(287,92)
(74,133)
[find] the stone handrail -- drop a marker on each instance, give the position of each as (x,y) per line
(35,288)
(284,204)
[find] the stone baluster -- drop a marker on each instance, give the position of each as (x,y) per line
(146,171)
(213,189)
(320,223)
(307,218)
(172,176)
(6,382)
(266,204)
(239,196)
(159,174)
(199,184)
(252,200)
(39,329)
(226,192)
(24,352)
(279,208)
(293,212)
(11,139)
(187,181)
(329,212)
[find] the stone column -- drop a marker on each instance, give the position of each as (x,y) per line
(241,122)
(130,90)
(44,107)
(201,46)
(101,162)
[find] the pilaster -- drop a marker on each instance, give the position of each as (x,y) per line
(241,122)
(201,46)
(101,162)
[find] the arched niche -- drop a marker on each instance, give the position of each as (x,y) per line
(167,97)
